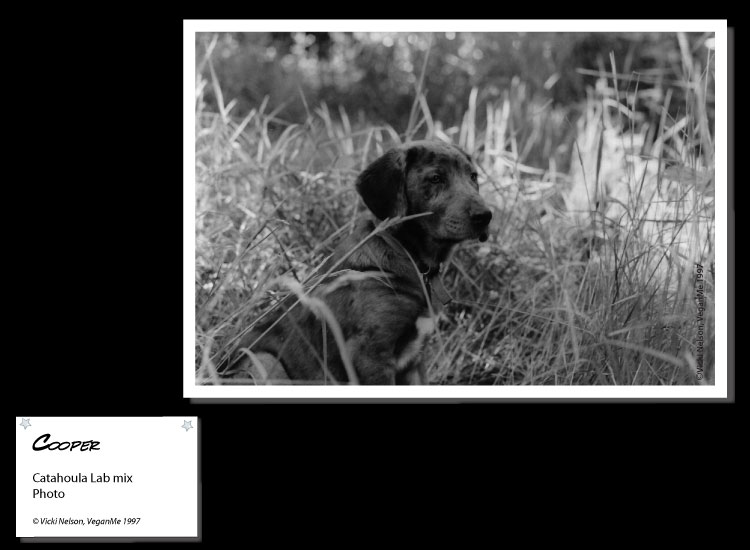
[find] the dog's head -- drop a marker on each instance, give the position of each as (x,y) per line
(428,176)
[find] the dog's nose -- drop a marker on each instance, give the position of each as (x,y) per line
(481,219)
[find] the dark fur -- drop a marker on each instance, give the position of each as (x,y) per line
(378,317)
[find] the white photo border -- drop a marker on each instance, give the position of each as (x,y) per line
(719,390)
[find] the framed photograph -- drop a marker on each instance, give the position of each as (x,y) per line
(455,210)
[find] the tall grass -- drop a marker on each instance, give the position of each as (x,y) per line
(601,212)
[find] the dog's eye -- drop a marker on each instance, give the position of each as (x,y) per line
(474,177)
(436,178)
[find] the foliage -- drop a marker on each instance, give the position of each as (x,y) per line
(374,75)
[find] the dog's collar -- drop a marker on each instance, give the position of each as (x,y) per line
(434,283)
(429,272)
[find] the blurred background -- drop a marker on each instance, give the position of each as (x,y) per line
(374,76)
(595,151)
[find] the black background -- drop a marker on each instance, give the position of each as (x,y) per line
(99,331)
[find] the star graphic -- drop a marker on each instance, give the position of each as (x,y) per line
(25,423)
(187,424)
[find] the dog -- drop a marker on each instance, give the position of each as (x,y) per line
(388,290)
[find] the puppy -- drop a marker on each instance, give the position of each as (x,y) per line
(384,293)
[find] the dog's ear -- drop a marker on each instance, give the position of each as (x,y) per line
(382,185)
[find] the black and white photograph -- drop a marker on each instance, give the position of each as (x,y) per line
(438,209)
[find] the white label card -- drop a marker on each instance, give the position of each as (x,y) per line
(107,476)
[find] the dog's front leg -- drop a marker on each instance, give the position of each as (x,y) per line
(374,366)
(375,372)
(415,374)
